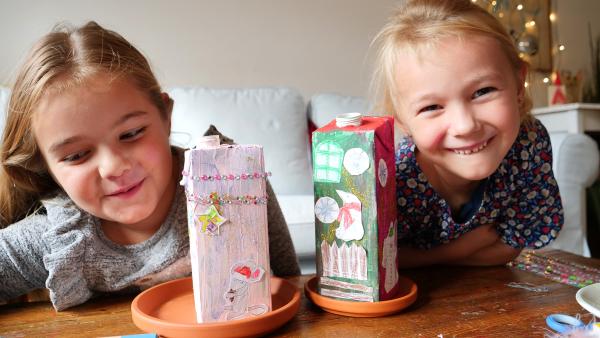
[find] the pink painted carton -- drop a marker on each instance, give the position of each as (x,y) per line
(227,220)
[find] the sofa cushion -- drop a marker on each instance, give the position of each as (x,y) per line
(323,108)
(4,95)
(272,117)
(298,211)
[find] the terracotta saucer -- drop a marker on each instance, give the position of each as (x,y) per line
(168,309)
(405,297)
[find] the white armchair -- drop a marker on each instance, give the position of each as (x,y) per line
(575,164)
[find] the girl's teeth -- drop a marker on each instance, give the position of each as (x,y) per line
(471,151)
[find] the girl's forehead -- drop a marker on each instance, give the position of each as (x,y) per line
(449,51)
(85,80)
(104,94)
(430,47)
(79,88)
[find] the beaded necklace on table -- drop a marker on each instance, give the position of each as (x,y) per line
(556,269)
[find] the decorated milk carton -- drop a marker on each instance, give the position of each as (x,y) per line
(227,219)
(355,209)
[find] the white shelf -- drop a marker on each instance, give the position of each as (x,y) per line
(570,118)
(565,107)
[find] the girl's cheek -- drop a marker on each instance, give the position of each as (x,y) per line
(429,137)
(154,152)
(76,177)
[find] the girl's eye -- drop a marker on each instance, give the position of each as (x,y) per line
(76,157)
(132,134)
(432,107)
(483,91)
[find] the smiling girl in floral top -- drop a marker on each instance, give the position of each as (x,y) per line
(474,172)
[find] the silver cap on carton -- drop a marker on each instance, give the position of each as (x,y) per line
(210,141)
(348,119)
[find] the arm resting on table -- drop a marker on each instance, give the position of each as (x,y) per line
(481,246)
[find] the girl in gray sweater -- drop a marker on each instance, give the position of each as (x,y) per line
(88,181)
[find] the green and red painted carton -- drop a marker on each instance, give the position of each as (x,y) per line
(355,209)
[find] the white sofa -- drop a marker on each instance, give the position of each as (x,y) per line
(278,118)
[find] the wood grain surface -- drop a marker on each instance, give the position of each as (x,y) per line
(452,302)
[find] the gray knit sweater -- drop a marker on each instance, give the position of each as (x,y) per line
(64,249)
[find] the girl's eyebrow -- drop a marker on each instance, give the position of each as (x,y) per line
(56,146)
(492,75)
(423,98)
(62,143)
(128,116)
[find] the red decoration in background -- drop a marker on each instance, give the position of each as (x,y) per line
(556,92)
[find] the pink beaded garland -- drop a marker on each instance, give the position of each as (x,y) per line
(228,177)
(216,199)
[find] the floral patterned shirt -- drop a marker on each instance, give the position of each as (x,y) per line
(521,197)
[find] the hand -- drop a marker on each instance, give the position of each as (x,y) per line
(498,253)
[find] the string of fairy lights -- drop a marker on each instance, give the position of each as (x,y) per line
(522,19)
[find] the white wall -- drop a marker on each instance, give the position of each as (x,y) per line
(570,29)
(311,45)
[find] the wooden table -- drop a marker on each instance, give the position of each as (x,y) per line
(452,301)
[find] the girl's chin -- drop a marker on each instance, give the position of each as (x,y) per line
(129,217)
(476,176)
(476,173)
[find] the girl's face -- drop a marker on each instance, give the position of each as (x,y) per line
(459,102)
(107,146)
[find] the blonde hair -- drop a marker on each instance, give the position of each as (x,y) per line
(420,24)
(64,58)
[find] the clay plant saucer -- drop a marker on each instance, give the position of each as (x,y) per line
(407,295)
(168,310)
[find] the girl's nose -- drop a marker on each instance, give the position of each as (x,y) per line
(463,121)
(113,163)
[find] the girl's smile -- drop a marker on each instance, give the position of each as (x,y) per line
(127,191)
(471,149)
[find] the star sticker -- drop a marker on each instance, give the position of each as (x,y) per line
(210,221)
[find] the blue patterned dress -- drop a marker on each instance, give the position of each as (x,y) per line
(521,197)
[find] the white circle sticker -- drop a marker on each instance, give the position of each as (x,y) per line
(356,161)
(326,209)
(382,172)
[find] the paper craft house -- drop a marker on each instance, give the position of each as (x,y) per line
(355,209)
(227,220)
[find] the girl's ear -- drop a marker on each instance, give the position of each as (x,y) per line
(401,126)
(522,78)
(168,101)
